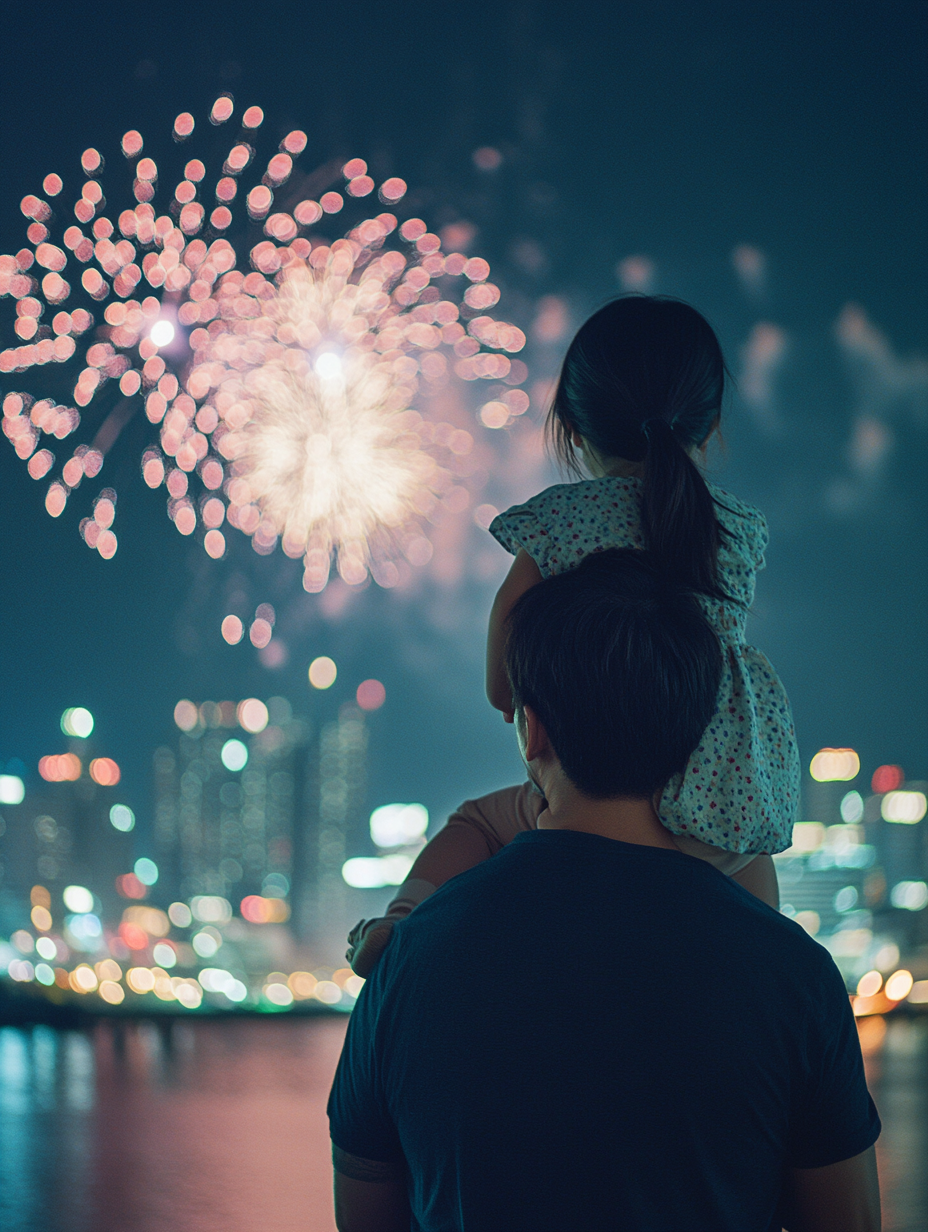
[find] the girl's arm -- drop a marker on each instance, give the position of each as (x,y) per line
(474,832)
(523,575)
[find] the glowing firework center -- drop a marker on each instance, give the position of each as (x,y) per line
(312,381)
(293,420)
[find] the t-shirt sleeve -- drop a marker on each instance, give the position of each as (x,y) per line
(359,1120)
(501,815)
(833,1116)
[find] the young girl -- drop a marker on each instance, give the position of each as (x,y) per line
(639,398)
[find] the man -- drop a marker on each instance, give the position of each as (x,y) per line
(592,1030)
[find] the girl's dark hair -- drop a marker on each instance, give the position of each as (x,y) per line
(643,380)
(622,667)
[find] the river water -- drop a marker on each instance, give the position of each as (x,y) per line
(220,1126)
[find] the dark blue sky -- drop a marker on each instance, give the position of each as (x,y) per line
(675,130)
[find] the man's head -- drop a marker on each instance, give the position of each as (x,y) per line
(620,667)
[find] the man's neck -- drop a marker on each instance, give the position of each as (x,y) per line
(625,819)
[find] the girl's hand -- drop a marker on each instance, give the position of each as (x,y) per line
(366,942)
(368,939)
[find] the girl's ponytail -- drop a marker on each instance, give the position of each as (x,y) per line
(677,511)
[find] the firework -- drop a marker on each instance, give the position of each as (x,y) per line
(289,378)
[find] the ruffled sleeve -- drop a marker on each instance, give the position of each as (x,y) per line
(563,524)
(521,527)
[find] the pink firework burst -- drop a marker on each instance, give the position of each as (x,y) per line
(289,376)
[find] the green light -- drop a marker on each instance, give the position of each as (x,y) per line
(146,870)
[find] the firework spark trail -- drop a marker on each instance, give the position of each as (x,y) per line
(291,413)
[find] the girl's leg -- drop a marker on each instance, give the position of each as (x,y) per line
(760,877)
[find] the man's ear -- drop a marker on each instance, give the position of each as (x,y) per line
(537,743)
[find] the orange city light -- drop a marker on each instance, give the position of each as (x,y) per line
(60,768)
(103,770)
(258,910)
(135,937)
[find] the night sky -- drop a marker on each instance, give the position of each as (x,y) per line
(674,131)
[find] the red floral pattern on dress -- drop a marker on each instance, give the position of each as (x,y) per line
(740,789)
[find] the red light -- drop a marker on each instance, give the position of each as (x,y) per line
(253,909)
(887,778)
(371,695)
(129,886)
(135,938)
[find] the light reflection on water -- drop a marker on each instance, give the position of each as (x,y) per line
(897,1073)
(220,1127)
(195,1127)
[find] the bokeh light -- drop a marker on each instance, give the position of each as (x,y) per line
(370,695)
(23,941)
(322,672)
(252,715)
(164,954)
(232,630)
(852,807)
(834,765)
(186,715)
(397,825)
(146,870)
(259,910)
(904,807)
(870,984)
(129,886)
(111,992)
(140,979)
(122,818)
(887,778)
(180,915)
(12,789)
(899,985)
(206,942)
(910,895)
(77,721)
(60,768)
(104,770)
(78,899)
(211,909)
(234,755)
(372,872)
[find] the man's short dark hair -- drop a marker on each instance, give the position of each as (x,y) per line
(622,668)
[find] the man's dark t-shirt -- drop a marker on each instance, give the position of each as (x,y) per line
(585,1034)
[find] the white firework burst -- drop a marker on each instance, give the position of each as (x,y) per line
(287,392)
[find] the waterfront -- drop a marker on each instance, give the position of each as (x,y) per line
(199,1127)
(206,1126)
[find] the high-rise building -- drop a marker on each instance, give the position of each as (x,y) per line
(335,817)
(270,813)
